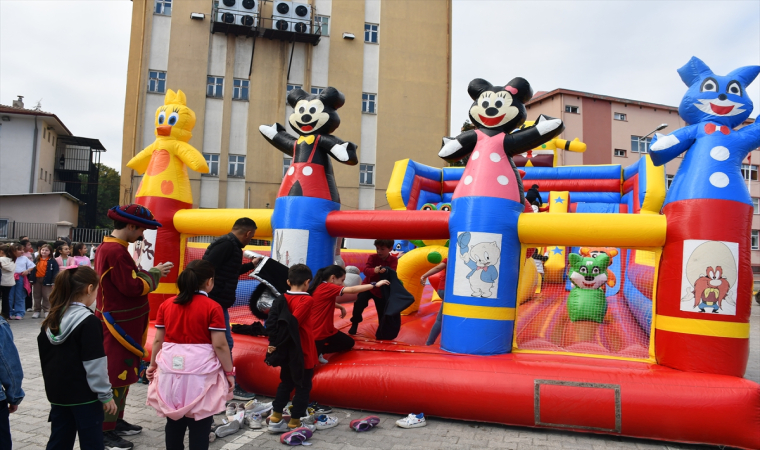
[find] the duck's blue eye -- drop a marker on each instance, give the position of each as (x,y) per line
(161,118)
(173,119)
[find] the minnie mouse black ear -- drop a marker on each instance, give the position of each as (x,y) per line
(524,91)
(477,87)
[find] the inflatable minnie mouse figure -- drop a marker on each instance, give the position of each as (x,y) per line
(314,118)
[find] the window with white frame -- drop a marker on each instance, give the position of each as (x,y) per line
(370,33)
(756,204)
(286,162)
(572,109)
(317,90)
(215,87)
(620,153)
(755,239)
(749,172)
(369,103)
(668,181)
(237,166)
(639,145)
(240,89)
(213,165)
(322,23)
(163,7)
(366,174)
(157,81)
(621,116)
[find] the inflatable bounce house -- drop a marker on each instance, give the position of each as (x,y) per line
(623,309)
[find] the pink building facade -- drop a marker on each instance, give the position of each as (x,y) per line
(612,129)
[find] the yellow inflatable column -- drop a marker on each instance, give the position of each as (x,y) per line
(413,265)
(554,267)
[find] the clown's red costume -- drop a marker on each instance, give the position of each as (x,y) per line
(122,305)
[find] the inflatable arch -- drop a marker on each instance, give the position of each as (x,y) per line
(613,341)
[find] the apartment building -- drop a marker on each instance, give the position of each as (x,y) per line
(619,131)
(236,60)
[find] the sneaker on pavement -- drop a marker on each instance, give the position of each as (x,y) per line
(231,410)
(412,421)
(278,427)
(255,421)
(364,424)
(255,406)
(239,394)
(308,422)
(36,315)
(113,442)
(29,310)
(320,409)
(322,359)
(227,429)
(296,437)
(124,428)
(324,422)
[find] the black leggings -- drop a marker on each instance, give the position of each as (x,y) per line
(199,431)
(362,301)
(6,304)
(338,342)
(301,397)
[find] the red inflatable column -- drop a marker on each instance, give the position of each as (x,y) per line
(166,246)
(704,290)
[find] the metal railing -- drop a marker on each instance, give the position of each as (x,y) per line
(89,235)
(12,230)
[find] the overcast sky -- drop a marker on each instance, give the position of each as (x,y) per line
(73,54)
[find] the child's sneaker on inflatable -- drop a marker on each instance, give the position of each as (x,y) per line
(412,421)
(296,437)
(324,422)
(364,424)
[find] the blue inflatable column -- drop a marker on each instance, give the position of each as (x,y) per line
(481,280)
(300,234)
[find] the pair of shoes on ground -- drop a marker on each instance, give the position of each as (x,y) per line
(369,422)
(255,413)
(38,314)
(113,439)
(16,317)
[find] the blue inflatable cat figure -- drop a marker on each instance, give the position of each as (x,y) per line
(712,106)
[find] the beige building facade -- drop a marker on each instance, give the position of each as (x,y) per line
(613,130)
(390,59)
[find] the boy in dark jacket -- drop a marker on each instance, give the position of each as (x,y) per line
(226,255)
(300,347)
(373,270)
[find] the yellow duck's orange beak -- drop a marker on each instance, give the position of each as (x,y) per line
(164,130)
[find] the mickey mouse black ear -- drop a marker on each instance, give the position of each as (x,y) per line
(332,97)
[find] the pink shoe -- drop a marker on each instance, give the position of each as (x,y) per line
(364,424)
(296,437)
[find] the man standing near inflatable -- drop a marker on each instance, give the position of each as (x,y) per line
(123,308)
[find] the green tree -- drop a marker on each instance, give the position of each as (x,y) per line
(108,194)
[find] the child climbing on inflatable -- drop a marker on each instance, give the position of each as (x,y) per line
(436,330)
(326,286)
(74,364)
(196,376)
(376,264)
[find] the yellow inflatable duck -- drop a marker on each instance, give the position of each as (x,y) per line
(163,162)
(546,155)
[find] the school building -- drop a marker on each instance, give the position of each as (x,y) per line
(619,131)
(236,60)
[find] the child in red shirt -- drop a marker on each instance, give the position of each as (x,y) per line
(196,375)
(299,303)
(326,286)
(376,264)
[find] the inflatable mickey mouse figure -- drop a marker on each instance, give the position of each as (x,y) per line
(314,118)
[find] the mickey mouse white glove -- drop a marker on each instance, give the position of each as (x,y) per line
(340,151)
(268,131)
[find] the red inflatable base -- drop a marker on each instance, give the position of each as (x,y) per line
(550,391)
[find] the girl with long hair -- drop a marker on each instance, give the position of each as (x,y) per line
(63,257)
(191,373)
(326,286)
(7,268)
(19,291)
(47,269)
(74,364)
(79,253)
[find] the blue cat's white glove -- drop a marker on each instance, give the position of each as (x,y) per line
(268,131)
(663,141)
(450,146)
(340,151)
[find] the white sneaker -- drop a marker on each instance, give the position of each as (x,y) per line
(278,427)
(412,421)
(254,421)
(308,422)
(322,359)
(36,315)
(255,406)
(324,422)
(227,429)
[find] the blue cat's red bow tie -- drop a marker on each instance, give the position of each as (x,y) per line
(711,128)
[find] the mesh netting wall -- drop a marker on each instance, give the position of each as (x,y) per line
(239,312)
(591,303)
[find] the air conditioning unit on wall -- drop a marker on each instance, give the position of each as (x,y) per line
(301,18)
(282,15)
(238,12)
